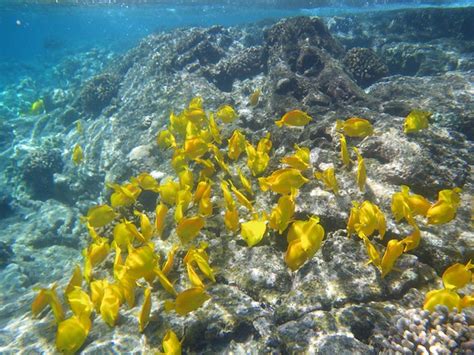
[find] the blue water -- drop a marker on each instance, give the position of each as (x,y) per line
(29,31)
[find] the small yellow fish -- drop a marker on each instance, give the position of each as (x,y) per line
(124,195)
(226,113)
(365,219)
(444,210)
(300,160)
(99,216)
(146,182)
(214,129)
(416,121)
(246,184)
(406,205)
(392,253)
(283,212)
(178,124)
(254,97)
(166,140)
(189,228)
(361,171)
(183,200)
(140,262)
(201,190)
(37,107)
(160,215)
(231,220)
(328,178)
(165,282)
(264,145)
(458,275)
(169,260)
(412,241)
(144,316)
(146,227)
(79,128)
(229,201)
(253,231)
(45,297)
(283,181)
(186,178)
(372,252)
(80,302)
(179,160)
(346,160)
(97,288)
(444,297)
(169,191)
(72,334)
(205,203)
(195,147)
(220,160)
(355,127)
(188,301)
(77,154)
(257,161)
(236,145)
(171,344)
(295,118)
(124,233)
(110,304)
(243,200)
(304,240)
(75,281)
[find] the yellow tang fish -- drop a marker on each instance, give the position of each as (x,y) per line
(186,178)
(247,185)
(254,97)
(253,231)
(208,168)
(144,316)
(188,301)
(164,281)
(243,200)
(346,160)
(77,154)
(183,200)
(304,240)
(392,253)
(283,181)
(97,288)
(416,121)
(214,129)
(72,333)
(229,201)
(169,191)
(300,160)
(37,107)
(47,297)
(257,160)
(141,262)
(294,118)
(372,252)
(457,275)
(195,147)
(353,219)
(80,302)
(231,220)
(189,228)
(146,182)
(226,113)
(205,204)
(146,227)
(178,124)
(166,140)
(171,344)
(413,240)
(160,215)
(201,189)
(328,177)
(444,297)
(124,195)
(200,257)
(79,128)
(236,145)
(444,210)
(75,281)
(355,127)
(99,216)
(371,218)
(264,145)
(361,171)
(283,212)
(110,304)
(169,260)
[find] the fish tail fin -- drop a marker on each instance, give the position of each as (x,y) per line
(264,186)
(279,123)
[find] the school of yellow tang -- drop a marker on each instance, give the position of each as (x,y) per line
(210,173)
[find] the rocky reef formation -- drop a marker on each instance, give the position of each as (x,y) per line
(335,302)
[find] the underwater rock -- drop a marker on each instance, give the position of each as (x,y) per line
(6,253)
(365,66)
(417,330)
(38,171)
(98,92)
(5,204)
(247,63)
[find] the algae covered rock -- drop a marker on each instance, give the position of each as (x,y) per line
(98,92)
(364,65)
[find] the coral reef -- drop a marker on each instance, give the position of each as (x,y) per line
(416,330)
(98,92)
(364,65)
(38,171)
